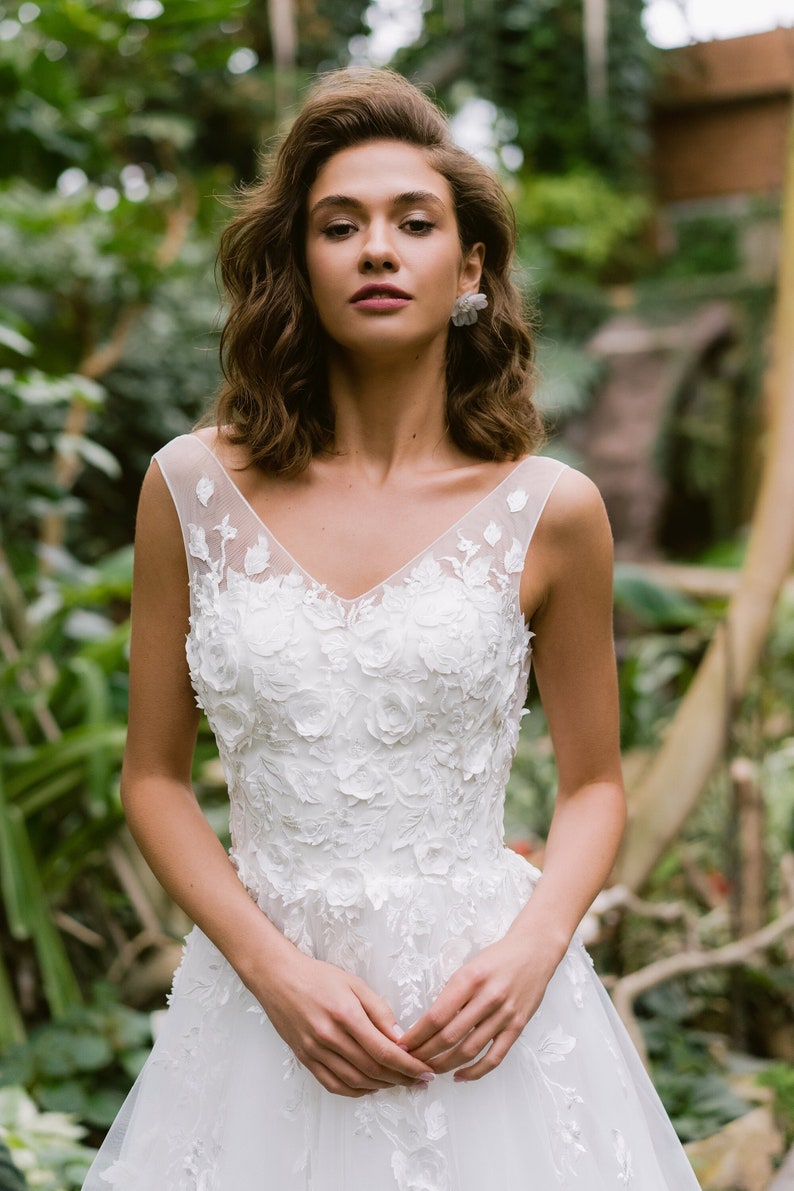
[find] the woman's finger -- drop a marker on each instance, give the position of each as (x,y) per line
(376,1043)
(331,1081)
(471,1045)
(350,1051)
(439,1017)
(491,1059)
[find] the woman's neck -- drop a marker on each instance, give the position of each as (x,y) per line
(391,414)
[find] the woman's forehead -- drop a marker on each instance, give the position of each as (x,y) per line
(380,169)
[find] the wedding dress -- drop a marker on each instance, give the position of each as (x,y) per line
(367,744)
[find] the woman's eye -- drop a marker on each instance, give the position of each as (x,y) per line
(338,231)
(419,227)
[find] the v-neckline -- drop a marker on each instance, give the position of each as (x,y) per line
(383,583)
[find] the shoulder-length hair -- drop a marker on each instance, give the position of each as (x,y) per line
(274,397)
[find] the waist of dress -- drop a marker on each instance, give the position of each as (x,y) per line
(358,882)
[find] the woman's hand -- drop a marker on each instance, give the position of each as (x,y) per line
(339,1028)
(488,1000)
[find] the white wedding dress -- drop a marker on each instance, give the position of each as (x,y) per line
(367,744)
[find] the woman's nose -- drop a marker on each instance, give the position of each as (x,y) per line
(378,251)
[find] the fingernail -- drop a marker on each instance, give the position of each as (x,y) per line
(426,1077)
(459,1078)
(398,1031)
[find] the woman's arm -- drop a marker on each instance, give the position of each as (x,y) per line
(493,995)
(335,1024)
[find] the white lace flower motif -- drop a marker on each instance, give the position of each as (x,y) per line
(492,533)
(424,1169)
(344,887)
(394,716)
(226,530)
(219,667)
(380,650)
(453,955)
(514,558)
(516,500)
(312,714)
(477,754)
(435,855)
(569,1133)
(623,1155)
(232,719)
(198,543)
(577,975)
(555,1046)
(435,1121)
(360,778)
(205,489)
(257,557)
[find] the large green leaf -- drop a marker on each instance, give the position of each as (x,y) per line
(28,911)
(653,604)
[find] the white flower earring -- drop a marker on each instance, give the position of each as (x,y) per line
(464,312)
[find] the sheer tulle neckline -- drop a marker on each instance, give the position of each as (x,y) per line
(395,575)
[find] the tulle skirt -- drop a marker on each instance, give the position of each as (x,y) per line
(223,1105)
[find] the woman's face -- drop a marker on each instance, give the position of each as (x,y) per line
(383,252)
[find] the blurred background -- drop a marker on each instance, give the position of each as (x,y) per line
(645,145)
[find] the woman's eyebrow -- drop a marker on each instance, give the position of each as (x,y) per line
(408,198)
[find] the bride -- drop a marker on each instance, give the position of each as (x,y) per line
(377,994)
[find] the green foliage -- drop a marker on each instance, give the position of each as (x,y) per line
(655,670)
(689,1079)
(11,1177)
(532,785)
(651,604)
(93,85)
(528,57)
(63,735)
(33,408)
(581,224)
(85,1063)
(706,245)
(567,379)
(780,1078)
(45,1146)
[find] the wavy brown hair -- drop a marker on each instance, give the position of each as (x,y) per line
(274,397)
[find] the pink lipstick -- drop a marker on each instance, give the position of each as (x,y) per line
(377,296)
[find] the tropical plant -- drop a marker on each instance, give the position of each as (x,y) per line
(45,1146)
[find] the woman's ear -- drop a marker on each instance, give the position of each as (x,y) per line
(471,269)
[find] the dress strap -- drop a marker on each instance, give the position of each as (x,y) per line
(508,519)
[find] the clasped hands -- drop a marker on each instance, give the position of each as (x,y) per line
(347,1036)
(488,1000)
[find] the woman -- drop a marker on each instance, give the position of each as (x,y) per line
(378,994)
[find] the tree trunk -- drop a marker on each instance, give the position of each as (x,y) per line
(284,39)
(697,738)
(596,22)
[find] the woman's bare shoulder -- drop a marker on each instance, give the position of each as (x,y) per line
(575,507)
(231,455)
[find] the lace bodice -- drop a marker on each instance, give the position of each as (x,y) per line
(365,741)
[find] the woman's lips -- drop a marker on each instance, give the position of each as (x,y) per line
(380,297)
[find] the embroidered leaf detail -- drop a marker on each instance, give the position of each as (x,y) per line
(492,533)
(198,543)
(516,500)
(257,557)
(623,1155)
(204,490)
(555,1046)
(514,558)
(435,1121)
